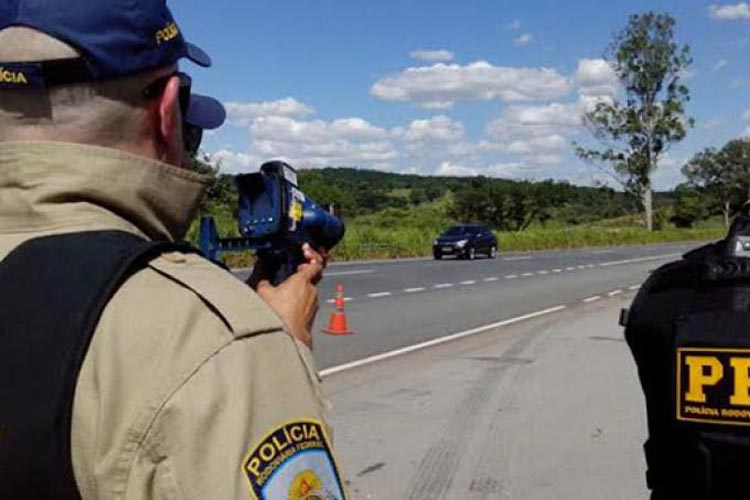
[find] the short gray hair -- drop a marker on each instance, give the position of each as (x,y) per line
(106,113)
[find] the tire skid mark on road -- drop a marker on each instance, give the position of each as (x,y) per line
(436,470)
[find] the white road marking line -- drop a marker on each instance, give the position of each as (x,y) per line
(346,299)
(634,287)
(377,295)
(592,299)
(444,285)
(442,340)
(516,259)
(570,268)
(614,292)
(557,270)
(527,274)
(591,266)
(487,280)
(581,267)
(642,259)
(511,277)
(414,290)
(348,273)
(470,282)
(542,272)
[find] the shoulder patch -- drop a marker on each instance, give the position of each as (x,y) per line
(294,462)
(233,300)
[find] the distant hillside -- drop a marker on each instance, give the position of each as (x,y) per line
(363,192)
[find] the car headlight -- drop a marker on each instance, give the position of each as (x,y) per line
(435,243)
(462,243)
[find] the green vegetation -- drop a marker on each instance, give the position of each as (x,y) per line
(636,131)
(397,216)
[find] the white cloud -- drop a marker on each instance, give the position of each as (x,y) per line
(232,162)
(317,143)
(242,114)
(451,170)
(478,81)
(523,40)
(746,115)
(713,123)
(596,78)
(441,55)
(436,129)
(282,129)
(720,64)
(729,12)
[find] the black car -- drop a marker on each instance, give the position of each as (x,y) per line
(466,241)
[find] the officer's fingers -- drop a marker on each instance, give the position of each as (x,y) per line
(264,288)
(315,257)
(312,272)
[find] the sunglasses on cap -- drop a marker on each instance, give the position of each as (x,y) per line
(191,134)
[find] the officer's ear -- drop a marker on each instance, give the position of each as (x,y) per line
(170,123)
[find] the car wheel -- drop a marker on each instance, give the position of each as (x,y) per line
(471,254)
(493,252)
(438,256)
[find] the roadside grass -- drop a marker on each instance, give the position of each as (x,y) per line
(409,232)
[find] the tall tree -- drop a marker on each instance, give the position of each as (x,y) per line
(635,132)
(723,176)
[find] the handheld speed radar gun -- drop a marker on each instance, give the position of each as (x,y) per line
(275,219)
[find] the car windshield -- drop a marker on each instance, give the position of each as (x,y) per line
(457,231)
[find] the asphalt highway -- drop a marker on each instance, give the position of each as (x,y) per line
(395,305)
(547,408)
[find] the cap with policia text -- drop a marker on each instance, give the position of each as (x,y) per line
(115,38)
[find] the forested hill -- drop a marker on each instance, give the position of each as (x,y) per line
(502,203)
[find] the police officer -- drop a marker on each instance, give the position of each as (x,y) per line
(131,367)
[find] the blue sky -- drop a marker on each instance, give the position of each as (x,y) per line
(446,87)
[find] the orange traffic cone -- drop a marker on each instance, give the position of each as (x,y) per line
(337,323)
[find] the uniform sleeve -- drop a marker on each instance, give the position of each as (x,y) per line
(248,424)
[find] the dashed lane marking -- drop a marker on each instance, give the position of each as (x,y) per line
(527,274)
(614,293)
(641,259)
(557,270)
(378,295)
(570,268)
(349,273)
(542,272)
(438,341)
(414,290)
(489,280)
(444,285)
(511,277)
(634,287)
(516,259)
(592,299)
(469,282)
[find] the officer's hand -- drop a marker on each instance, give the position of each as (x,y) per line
(296,299)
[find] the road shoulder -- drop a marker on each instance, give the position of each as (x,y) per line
(549,408)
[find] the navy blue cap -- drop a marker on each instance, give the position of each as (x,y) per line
(115,37)
(205,112)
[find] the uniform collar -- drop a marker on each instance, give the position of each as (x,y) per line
(53,186)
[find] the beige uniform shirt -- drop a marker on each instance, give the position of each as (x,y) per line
(191,388)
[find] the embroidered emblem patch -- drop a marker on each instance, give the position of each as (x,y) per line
(294,462)
(713,385)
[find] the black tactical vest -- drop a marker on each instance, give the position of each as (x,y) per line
(52,293)
(689,331)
